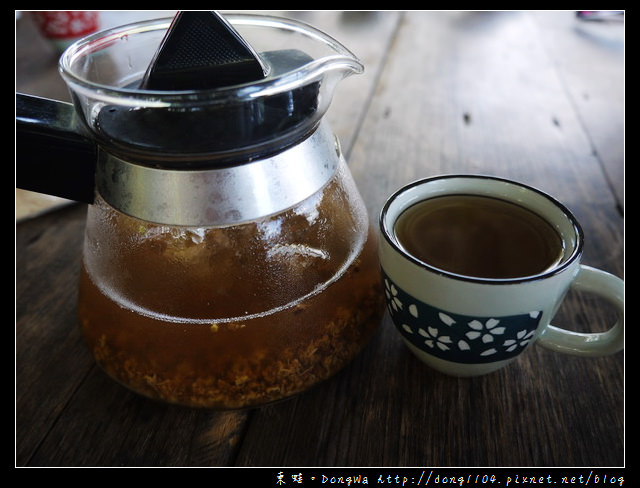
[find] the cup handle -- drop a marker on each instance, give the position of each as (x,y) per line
(607,286)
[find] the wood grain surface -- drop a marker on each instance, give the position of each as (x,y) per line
(536,96)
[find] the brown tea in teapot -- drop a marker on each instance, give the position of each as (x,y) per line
(229,317)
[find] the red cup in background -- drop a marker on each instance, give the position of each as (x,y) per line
(62,28)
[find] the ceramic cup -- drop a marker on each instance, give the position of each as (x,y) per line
(467,326)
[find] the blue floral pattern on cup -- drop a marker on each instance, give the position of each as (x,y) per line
(455,337)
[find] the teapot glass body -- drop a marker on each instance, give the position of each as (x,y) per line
(231,316)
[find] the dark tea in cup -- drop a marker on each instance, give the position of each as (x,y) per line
(479,236)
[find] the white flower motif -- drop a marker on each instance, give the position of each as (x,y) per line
(392,296)
(488,352)
(446,319)
(484,331)
(433,340)
(407,328)
(463,346)
(522,339)
(413,310)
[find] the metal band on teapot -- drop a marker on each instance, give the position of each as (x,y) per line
(220,196)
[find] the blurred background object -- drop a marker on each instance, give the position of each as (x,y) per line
(601,15)
(62,28)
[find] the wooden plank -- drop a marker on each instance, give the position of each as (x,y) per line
(589,57)
(51,359)
(106,425)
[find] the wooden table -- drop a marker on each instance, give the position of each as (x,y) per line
(533,96)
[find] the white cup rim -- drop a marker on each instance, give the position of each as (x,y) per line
(393,207)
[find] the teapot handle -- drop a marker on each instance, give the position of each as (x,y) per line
(53,155)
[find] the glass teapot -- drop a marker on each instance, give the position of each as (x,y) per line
(228,259)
